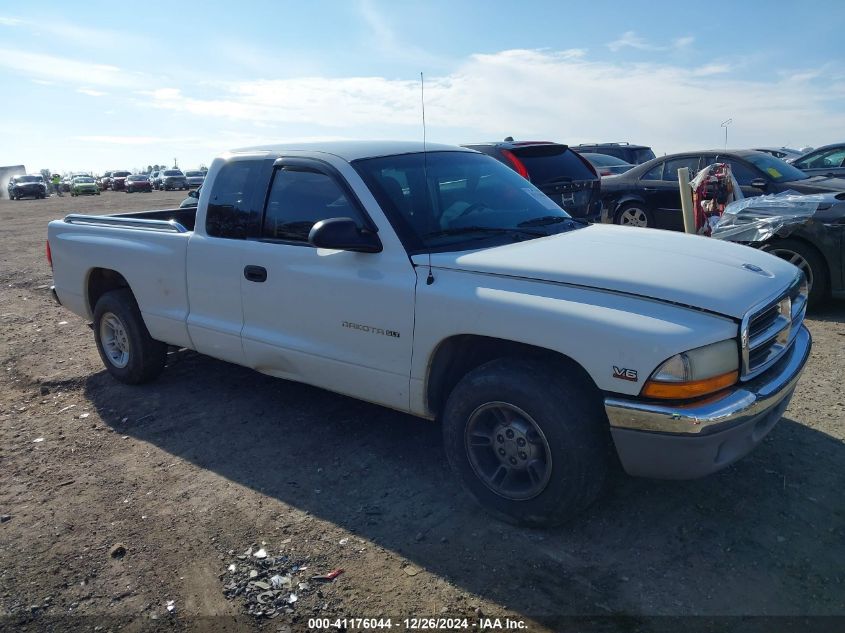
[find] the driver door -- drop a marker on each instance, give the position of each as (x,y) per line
(334,319)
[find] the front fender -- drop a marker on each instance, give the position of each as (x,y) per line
(597,329)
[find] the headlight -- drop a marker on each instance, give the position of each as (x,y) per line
(698,372)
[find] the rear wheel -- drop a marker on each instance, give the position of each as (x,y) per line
(634,215)
(128,351)
(528,440)
(808,260)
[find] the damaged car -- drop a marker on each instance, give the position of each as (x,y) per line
(808,231)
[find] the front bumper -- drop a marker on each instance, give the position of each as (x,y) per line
(689,441)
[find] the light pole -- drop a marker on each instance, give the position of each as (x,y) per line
(725,125)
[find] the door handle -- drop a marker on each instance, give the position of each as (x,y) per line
(255,273)
(649,188)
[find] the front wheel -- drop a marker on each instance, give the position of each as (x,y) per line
(528,439)
(634,215)
(809,261)
(128,351)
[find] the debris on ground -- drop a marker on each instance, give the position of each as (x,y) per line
(411,570)
(37,440)
(334,573)
(265,582)
(5,517)
(118,550)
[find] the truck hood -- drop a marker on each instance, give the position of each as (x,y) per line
(685,269)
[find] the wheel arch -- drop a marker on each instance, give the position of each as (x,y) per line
(458,355)
(99,282)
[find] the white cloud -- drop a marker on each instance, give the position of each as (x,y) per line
(123,140)
(385,39)
(712,69)
(6,21)
(91,93)
(630,39)
(526,93)
(62,69)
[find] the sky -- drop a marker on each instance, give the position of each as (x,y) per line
(102,85)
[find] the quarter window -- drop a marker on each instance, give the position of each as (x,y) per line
(655,173)
(299,198)
(672,167)
(230,207)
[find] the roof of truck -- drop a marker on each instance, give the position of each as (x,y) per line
(354,150)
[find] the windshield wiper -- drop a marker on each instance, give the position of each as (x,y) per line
(462,230)
(546,220)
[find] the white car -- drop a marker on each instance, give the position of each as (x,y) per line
(438,282)
(195,178)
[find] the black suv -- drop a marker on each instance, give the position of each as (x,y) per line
(563,175)
(631,154)
(27,187)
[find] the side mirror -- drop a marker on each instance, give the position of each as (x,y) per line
(343,234)
(760,183)
(193,193)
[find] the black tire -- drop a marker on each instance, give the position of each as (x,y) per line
(809,260)
(573,440)
(635,210)
(145,356)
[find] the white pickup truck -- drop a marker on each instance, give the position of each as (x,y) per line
(438,282)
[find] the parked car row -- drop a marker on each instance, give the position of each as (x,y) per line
(163,179)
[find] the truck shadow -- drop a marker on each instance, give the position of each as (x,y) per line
(764,536)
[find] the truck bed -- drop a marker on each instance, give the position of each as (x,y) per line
(186,217)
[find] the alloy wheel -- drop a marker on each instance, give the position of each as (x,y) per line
(633,216)
(114,339)
(508,451)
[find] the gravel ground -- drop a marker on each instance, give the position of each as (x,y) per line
(188,472)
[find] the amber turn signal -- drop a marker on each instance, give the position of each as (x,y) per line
(691,389)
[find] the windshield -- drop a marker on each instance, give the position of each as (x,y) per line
(455,200)
(775,168)
(603,160)
(136,178)
(193,173)
(173,172)
(83,179)
(30,179)
(643,155)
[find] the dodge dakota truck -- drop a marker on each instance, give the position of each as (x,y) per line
(439,282)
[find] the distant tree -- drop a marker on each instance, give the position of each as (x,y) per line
(203,167)
(156,167)
(46,174)
(149,169)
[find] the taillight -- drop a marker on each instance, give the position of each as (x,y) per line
(49,255)
(518,165)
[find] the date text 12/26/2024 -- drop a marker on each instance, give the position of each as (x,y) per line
(416,624)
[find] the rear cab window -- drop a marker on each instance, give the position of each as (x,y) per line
(232,207)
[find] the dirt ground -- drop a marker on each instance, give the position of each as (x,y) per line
(213,458)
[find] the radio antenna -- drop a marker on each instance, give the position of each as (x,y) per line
(430,279)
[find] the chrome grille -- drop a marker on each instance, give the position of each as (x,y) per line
(769,329)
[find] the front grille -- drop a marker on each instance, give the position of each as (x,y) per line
(769,330)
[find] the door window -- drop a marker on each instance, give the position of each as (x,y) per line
(673,165)
(299,198)
(655,173)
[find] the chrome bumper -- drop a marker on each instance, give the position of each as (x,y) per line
(688,441)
